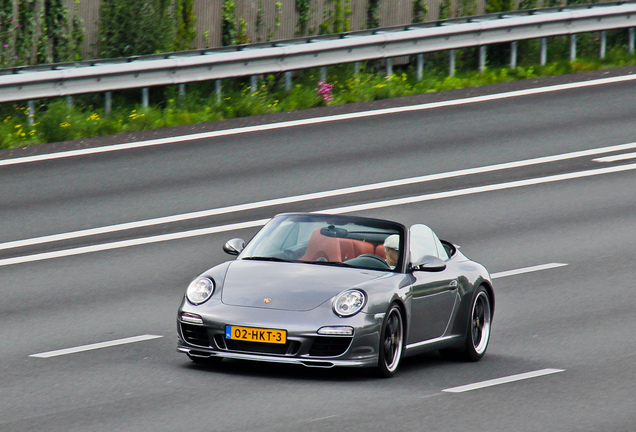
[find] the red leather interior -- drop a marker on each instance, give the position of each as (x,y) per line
(336,249)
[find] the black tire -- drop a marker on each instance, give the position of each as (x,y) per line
(391,342)
(477,331)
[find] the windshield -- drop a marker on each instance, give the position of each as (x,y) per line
(329,240)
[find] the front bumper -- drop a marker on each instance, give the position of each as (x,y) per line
(309,362)
(304,345)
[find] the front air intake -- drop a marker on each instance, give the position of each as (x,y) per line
(329,346)
(195,335)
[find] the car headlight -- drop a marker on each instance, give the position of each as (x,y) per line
(200,290)
(349,303)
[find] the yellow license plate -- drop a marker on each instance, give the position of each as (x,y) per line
(252,334)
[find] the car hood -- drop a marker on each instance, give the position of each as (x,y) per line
(288,286)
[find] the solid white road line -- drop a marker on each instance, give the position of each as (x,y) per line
(504,380)
(338,210)
(481,189)
(526,270)
(318,120)
(620,157)
(95,346)
(129,243)
(312,196)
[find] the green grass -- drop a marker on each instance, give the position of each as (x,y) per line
(55,121)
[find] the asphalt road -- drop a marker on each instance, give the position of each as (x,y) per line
(556,203)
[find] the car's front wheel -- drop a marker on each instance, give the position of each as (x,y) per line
(391,342)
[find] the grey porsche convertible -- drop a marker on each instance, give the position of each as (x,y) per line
(333,290)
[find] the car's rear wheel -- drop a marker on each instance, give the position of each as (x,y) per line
(481,316)
(391,342)
(478,331)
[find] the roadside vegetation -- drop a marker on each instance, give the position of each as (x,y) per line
(56,120)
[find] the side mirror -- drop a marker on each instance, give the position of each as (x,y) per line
(428,263)
(234,246)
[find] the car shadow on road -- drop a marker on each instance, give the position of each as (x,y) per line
(246,368)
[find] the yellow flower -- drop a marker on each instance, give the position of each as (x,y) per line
(65,124)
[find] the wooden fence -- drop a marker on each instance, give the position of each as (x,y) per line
(272,19)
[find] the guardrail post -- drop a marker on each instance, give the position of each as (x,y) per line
(323,74)
(603,43)
(543,54)
(513,55)
(451,66)
(144,97)
(482,58)
(31,112)
(217,90)
(182,92)
(389,67)
(108,102)
(356,68)
(631,40)
(288,81)
(253,84)
(572,47)
(420,67)
(69,101)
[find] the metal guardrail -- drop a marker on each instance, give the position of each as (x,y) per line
(66,79)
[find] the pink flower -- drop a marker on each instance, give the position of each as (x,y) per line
(5,46)
(324,90)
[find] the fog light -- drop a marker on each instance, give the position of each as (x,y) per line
(191,318)
(336,331)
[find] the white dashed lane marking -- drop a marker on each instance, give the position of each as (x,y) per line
(95,346)
(526,270)
(504,380)
(616,158)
